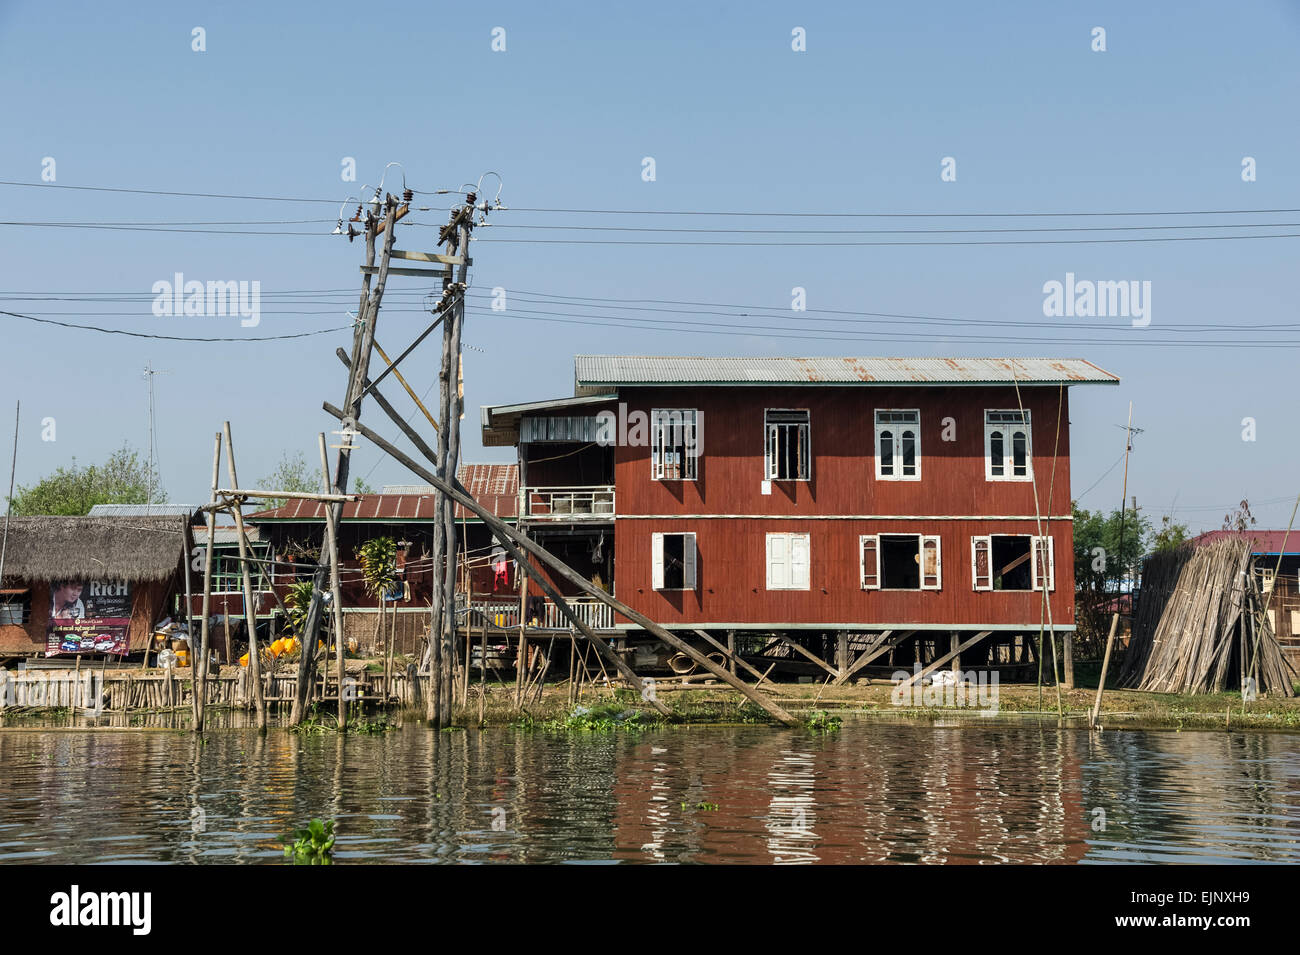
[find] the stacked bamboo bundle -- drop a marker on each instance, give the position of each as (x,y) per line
(1198,617)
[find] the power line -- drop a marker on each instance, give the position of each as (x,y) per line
(174,338)
(901,215)
(783,313)
(679,212)
(160,192)
(818,245)
(826,334)
(1104,228)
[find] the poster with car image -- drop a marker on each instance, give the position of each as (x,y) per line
(89,616)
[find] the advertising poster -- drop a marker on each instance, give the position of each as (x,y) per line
(89,616)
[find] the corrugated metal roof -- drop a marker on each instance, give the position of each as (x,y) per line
(596,372)
(1262,542)
(141,510)
(495,486)
(225,535)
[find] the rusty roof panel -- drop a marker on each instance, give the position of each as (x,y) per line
(596,372)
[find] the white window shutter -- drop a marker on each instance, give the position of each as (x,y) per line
(657,561)
(799,561)
(778,563)
(869,558)
(1044,569)
(688,561)
(931,563)
(981,563)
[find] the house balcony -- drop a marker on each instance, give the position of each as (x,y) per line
(573,504)
(589,610)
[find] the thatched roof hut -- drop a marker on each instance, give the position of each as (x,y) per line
(143,549)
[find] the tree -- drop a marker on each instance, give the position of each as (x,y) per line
(122,479)
(293,474)
(1101,562)
(1170,536)
(378,558)
(1239,520)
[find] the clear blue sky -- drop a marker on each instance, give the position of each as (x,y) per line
(735,120)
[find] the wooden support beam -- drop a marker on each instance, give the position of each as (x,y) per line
(940,661)
(431,257)
(882,645)
(288,495)
(392,365)
(397,216)
(413,273)
(810,655)
(502,530)
(731,654)
(397,419)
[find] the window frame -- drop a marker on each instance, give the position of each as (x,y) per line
(1036,554)
(689,469)
(770,461)
(690,561)
(789,538)
(20,597)
(896,452)
(922,540)
(1008,430)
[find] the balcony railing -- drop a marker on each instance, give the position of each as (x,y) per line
(590,611)
(594,503)
(495,613)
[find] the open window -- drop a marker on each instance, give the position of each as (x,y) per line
(898,445)
(787,562)
(1013,562)
(674,444)
(789,445)
(15,606)
(900,562)
(673,560)
(1008,447)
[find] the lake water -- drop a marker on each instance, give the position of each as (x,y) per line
(873,792)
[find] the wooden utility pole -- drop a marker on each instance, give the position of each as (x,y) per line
(442,632)
(363,341)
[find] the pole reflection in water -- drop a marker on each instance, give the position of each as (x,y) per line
(874,792)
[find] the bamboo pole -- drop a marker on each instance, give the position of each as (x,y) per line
(336,589)
(201,666)
(1105,664)
(250,608)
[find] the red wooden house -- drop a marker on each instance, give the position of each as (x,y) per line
(810,498)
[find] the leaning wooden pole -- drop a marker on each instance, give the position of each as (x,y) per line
(336,589)
(504,532)
(199,668)
(1105,665)
(449,521)
(363,341)
(250,608)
